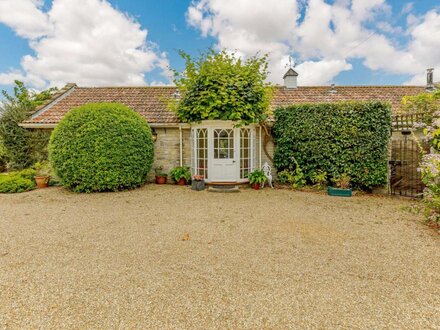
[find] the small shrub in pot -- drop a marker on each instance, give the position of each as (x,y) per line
(181,175)
(256,179)
(42,174)
(161,177)
(342,186)
(198,183)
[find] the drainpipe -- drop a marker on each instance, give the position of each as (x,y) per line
(181,144)
(259,147)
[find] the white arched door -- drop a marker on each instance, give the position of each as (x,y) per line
(224,155)
(221,152)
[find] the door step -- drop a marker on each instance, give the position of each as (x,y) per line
(224,188)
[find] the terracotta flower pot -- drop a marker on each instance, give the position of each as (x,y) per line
(182,182)
(255,186)
(42,181)
(161,179)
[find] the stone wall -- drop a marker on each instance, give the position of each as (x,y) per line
(167,149)
(268,150)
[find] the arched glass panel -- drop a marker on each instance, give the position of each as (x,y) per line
(223,143)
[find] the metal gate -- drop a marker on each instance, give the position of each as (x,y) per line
(405,179)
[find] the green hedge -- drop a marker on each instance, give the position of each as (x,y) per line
(16,182)
(101,147)
(349,137)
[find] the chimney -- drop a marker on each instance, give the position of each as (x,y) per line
(430,79)
(291,79)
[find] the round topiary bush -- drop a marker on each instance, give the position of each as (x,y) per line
(101,147)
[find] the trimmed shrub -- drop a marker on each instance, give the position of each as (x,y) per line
(101,147)
(17,182)
(337,138)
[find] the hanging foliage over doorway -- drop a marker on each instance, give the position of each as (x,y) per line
(222,86)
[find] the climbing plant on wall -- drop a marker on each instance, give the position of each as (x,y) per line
(220,85)
(338,138)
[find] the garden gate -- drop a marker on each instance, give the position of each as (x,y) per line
(404,179)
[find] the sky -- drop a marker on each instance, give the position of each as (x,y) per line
(135,42)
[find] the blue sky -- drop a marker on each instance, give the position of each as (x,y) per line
(358,42)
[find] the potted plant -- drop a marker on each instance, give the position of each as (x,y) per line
(342,186)
(42,174)
(161,177)
(181,175)
(198,183)
(256,179)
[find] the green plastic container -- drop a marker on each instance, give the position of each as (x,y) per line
(339,192)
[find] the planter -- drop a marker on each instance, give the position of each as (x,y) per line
(42,181)
(161,179)
(198,185)
(182,182)
(339,192)
(255,186)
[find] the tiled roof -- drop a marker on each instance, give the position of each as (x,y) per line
(391,94)
(151,102)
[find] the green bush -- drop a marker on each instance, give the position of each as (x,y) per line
(180,172)
(101,147)
(16,182)
(221,85)
(294,177)
(257,177)
(2,157)
(337,138)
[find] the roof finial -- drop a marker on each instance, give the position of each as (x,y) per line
(291,64)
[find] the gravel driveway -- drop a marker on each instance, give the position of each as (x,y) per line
(274,259)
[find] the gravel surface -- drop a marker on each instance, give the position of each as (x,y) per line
(166,257)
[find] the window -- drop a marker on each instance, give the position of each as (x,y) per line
(201,152)
(245,152)
(223,144)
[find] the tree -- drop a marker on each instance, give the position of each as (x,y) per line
(427,104)
(219,85)
(17,141)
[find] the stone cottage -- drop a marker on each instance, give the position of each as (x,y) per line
(215,149)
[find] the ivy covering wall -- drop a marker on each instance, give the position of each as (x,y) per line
(338,138)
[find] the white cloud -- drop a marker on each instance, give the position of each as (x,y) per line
(25,17)
(407,8)
(425,45)
(85,41)
(317,72)
(248,26)
(366,9)
(325,39)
